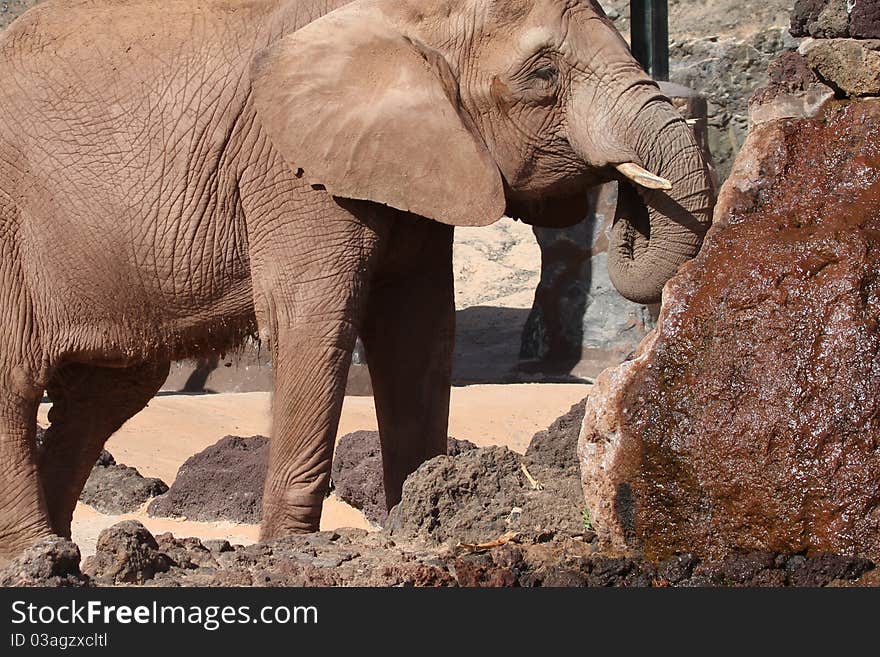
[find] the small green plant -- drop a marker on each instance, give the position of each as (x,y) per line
(588,524)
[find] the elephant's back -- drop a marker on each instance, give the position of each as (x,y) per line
(115,40)
(76,63)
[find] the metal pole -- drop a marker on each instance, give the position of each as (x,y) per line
(650,36)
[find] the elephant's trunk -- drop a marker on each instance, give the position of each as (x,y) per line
(655,231)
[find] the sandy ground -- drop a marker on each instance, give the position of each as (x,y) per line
(174,427)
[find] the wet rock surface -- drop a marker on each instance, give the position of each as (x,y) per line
(748,420)
(223,482)
(357,472)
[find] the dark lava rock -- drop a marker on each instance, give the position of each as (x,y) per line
(481,494)
(344,558)
(127,553)
(454,446)
(468,498)
(223,482)
(749,419)
(116,489)
(824,19)
(788,73)
(105,459)
(556,446)
(357,472)
(189,553)
(823,569)
(835,19)
(864,21)
(51,562)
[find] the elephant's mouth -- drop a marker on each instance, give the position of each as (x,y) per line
(559,205)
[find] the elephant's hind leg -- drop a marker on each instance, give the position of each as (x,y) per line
(88,405)
(408,333)
(23,515)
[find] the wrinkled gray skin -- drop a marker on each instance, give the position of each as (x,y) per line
(176,175)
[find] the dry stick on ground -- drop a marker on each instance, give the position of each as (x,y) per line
(480,547)
(536,485)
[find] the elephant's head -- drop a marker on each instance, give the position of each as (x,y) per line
(465,110)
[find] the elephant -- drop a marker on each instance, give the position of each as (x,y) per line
(178,176)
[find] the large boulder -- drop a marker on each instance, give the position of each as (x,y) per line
(126,553)
(749,419)
(223,482)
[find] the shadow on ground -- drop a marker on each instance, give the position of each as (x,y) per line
(487,351)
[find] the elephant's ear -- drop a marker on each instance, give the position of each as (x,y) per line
(371,114)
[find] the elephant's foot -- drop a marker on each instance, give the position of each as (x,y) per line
(24,518)
(290,514)
(15,541)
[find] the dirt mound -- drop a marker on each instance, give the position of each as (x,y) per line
(556,446)
(116,489)
(481,494)
(357,472)
(223,482)
(113,488)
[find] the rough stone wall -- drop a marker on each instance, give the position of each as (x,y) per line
(721,48)
(12,9)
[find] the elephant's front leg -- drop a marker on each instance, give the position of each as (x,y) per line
(311,367)
(408,333)
(309,297)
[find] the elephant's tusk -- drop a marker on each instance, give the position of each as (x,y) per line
(642,177)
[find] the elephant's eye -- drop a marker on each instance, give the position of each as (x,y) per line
(546,75)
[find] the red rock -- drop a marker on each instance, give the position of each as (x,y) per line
(750,419)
